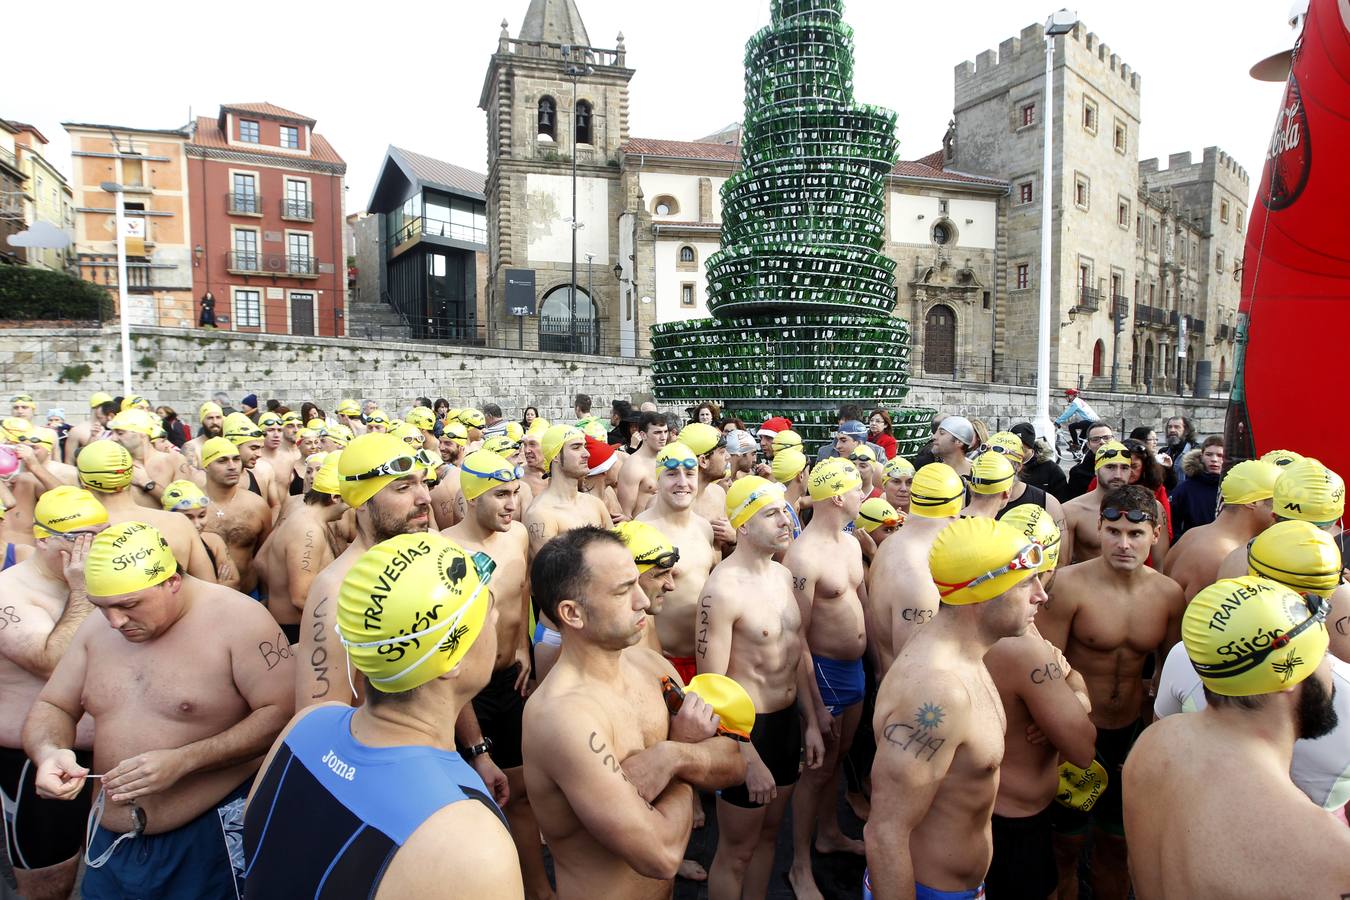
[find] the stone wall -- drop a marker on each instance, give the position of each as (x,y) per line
(182,368)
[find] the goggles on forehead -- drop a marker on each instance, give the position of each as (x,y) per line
(672,462)
(1112,453)
(1028,558)
(1111,514)
(504,475)
(889,521)
(398,466)
(1318,608)
(664,560)
(860,458)
(1007,451)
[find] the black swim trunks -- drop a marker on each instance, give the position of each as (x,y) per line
(500,709)
(1023,867)
(777,737)
(40,833)
(292,632)
(1108,813)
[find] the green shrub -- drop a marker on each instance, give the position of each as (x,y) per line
(28,293)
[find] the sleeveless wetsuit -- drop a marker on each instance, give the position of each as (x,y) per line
(297,484)
(253,482)
(1031,496)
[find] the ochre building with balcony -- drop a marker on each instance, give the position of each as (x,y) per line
(266,197)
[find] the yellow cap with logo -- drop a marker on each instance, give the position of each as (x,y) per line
(135,401)
(326,479)
(1036,524)
(1310,491)
(64,509)
(1007,444)
(1249,482)
(240,429)
(977,559)
(472,418)
(787,464)
(104,466)
(551,444)
(183,495)
(216,447)
(677,452)
(1298,555)
(748,496)
(501,445)
(348,407)
(784,440)
(338,434)
(937,492)
(411,607)
(728,700)
(1249,636)
(482,471)
(1112,453)
(875,512)
(648,545)
(898,467)
(1081,788)
(831,478)
(537,428)
(127,558)
(991,473)
(1280,457)
(421,418)
(363,468)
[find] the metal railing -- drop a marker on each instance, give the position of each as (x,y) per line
(528,334)
(1120,306)
(302,210)
(425,225)
(7,157)
(251,262)
(244,204)
(1089,299)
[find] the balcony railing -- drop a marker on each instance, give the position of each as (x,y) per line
(1195,327)
(244,204)
(1120,306)
(253,263)
(1226,333)
(302,210)
(1089,299)
(7,157)
(425,225)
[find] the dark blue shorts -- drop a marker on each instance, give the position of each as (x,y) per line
(203,859)
(842,683)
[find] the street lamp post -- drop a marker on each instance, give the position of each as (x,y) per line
(575,72)
(590,258)
(116,190)
(1061,22)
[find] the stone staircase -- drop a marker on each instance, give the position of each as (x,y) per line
(376,321)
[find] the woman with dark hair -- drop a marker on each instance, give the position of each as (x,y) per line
(529,416)
(730,425)
(708,413)
(879,432)
(173,428)
(1149,438)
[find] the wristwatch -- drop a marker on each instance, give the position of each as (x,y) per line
(148,486)
(481,748)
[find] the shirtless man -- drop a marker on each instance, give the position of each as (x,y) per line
(1047,707)
(348,414)
(242,519)
(558,509)
(390,498)
(896,477)
(101,411)
(1247,492)
(710,446)
(213,424)
(189,683)
(258,477)
(602,476)
(637,479)
(106,468)
(655,557)
(900,592)
(991,482)
(492,722)
(609,770)
(1107,616)
(293,555)
(45,602)
(954,438)
(23,406)
(1082,515)
(827,580)
(750,631)
(24,486)
(940,723)
(509,450)
(277,453)
(445,495)
(189,501)
(1306,491)
(1217,779)
(133,428)
(536,473)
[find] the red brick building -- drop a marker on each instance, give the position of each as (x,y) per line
(266,195)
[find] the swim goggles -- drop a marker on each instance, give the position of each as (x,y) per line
(398,466)
(1318,608)
(1111,514)
(503,475)
(1028,558)
(666,560)
(674,463)
(889,521)
(1113,453)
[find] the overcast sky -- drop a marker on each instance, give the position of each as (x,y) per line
(410,73)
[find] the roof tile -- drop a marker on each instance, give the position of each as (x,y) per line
(267,109)
(208,134)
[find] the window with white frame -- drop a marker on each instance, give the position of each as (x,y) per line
(299,252)
(297,199)
(245,250)
(290,137)
(247,308)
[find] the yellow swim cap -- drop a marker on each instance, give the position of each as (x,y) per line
(432,466)
(452,415)
(1036,524)
(501,445)
(64,509)
(378,417)
(15,429)
(127,558)
(269,420)
(291,417)
(239,429)
(1081,788)
(326,479)
(135,420)
(1112,453)
(421,418)
(875,512)
(1007,444)
(862,453)
(831,478)
(517,434)
(594,428)
(678,454)
(215,448)
(537,428)
(44,436)
(701,438)
(728,699)
(134,402)
(370,463)
(338,434)
(748,496)
(183,495)
(937,492)
(553,440)
(302,434)
(1298,555)
(648,545)
(105,466)
(1248,636)
(977,559)
(1310,491)
(409,434)
(411,607)
(472,418)
(1249,482)
(784,440)
(991,473)
(898,467)
(348,407)
(787,464)
(99,398)
(483,470)
(1281,457)
(457,432)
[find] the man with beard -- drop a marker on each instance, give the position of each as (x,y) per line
(1082,515)
(750,630)
(133,429)
(1220,778)
(939,723)
(101,411)
(637,479)
(1109,616)
(1247,492)
(1181,440)
(490,726)
(445,496)
(1080,476)
(380,478)
(242,519)
(213,424)
(277,453)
